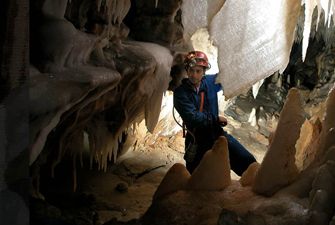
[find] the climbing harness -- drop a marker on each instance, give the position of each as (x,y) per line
(191,149)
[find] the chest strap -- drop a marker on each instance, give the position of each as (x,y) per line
(202,97)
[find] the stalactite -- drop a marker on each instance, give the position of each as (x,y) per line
(65,141)
(252,117)
(309,8)
(319,8)
(117,12)
(268,49)
(256,87)
(115,150)
(104,160)
(81,159)
(326,6)
(98,4)
(161,76)
(134,128)
(91,144)
(126,9)
(74,171)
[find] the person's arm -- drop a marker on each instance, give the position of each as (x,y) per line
(212,79)
(217,87)
(189,112)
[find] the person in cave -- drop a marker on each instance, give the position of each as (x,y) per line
(196,101)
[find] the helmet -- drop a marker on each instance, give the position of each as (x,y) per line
(196,58)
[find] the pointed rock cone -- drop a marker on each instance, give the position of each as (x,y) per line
(175,179)
(327,135)
(278,168)
(248,177)
(307,142)
(213,172)
(329,122)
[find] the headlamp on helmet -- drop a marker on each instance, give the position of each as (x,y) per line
(196,58)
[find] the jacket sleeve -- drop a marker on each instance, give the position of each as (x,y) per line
(190,113)
(212,79)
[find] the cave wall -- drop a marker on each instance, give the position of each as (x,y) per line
(14,119)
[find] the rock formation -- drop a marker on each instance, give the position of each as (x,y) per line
(278,168)
(273,193)
(213,172)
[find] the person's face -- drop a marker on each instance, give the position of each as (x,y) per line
(195,74)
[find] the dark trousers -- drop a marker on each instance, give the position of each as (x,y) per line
(240,158)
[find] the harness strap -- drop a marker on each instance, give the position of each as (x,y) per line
(202,97)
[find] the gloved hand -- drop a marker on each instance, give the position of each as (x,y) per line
(222,121)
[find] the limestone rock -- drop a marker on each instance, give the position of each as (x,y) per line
(175,179)
(278,168)
(322,196)
(213,172)
(248,177)
(330,154)
(326,139)
(327,136)
(305,151)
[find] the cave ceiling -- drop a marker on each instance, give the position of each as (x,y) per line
(104,65)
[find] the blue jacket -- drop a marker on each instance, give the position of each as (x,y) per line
(187,102)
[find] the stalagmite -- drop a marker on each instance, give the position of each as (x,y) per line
(213,172)
(175,179)
(248,177)
(278,168)
(326,138)
(328,125)
(305,153)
